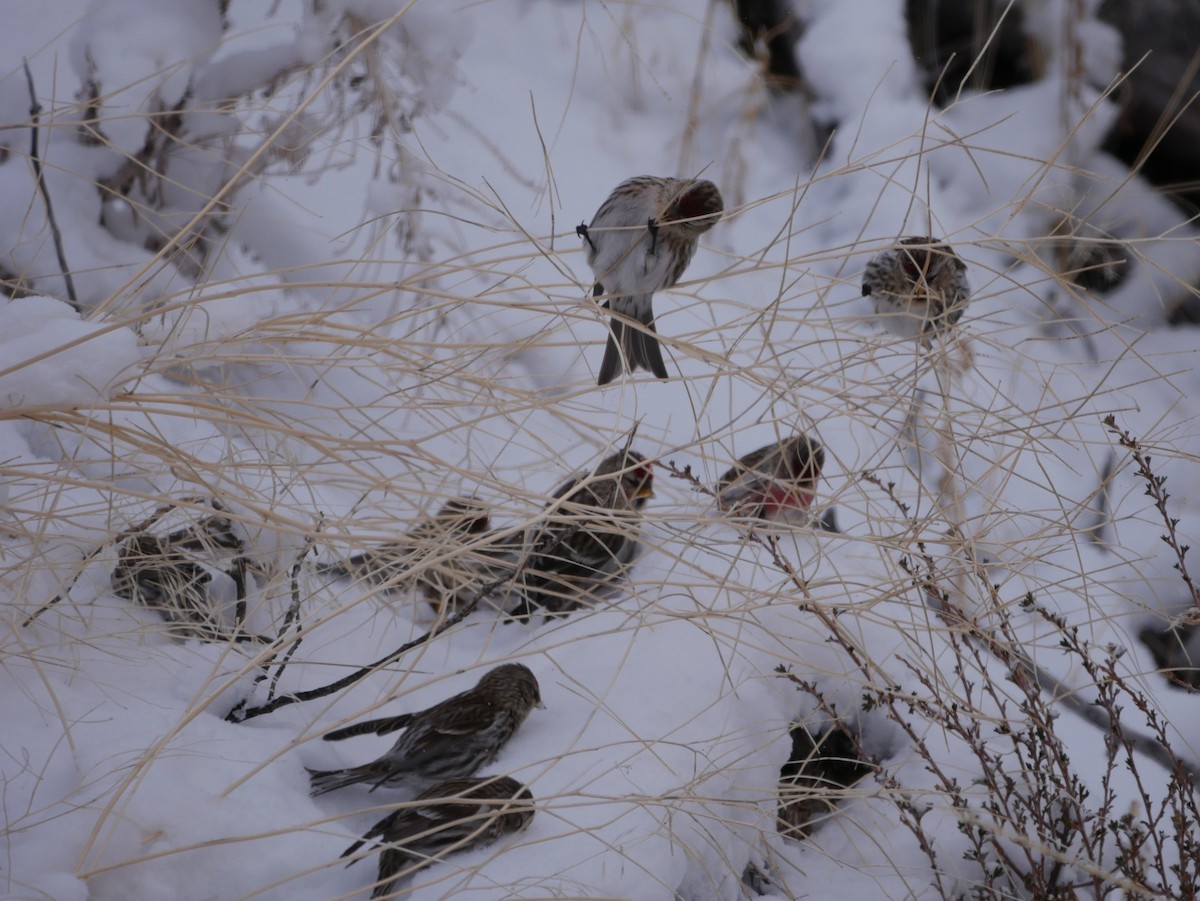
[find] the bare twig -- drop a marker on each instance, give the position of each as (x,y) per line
(292,615)
(240,713)
(1156,492)
(1025,672)
(35,111)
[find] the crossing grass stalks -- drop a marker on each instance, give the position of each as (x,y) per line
(399,392)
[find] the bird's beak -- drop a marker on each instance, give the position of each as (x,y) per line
(645,493)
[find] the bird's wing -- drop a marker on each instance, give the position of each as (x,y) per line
(460,715)
(401,826)
(381,726)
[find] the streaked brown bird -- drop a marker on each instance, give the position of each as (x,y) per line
(776,483)
(640,241)
(453,816)
(919,288)
(151,571)
(450,740)
(195,577)
(583,545)
(448,557)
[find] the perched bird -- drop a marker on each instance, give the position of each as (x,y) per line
(585,542)
(640,241)
(450,740)
(919,288)
(456,815)
(776,483)
(459,534)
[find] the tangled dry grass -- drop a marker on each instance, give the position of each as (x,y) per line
(963,631)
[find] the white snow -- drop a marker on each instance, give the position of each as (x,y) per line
(386,307)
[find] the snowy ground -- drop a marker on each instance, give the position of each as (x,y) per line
(374,324)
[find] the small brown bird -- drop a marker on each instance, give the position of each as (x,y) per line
(640,241)
(456,815)
(158,575)
(450,740)
(919,288)
(585,543)
(195,577)
(458,534)
(776,483)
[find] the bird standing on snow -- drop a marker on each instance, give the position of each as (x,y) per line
(641,241)
(453,816)
(589,536)
(776,483)
(919,288)
(450,740)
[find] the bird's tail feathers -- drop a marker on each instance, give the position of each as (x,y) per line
(632,348)
(644,351)
(613,365)
(321,781)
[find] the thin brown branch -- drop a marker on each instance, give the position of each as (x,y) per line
(35,112)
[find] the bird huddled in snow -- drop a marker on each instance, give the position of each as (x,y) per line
(582,546)
(195,577)
(154,573)
(450,740)
(776,483)
(449,557)
(640,241)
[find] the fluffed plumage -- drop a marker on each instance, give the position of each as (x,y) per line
(190,577)
(919,288)
(152,572)
(776,483)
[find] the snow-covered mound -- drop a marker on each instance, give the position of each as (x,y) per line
(325,277)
